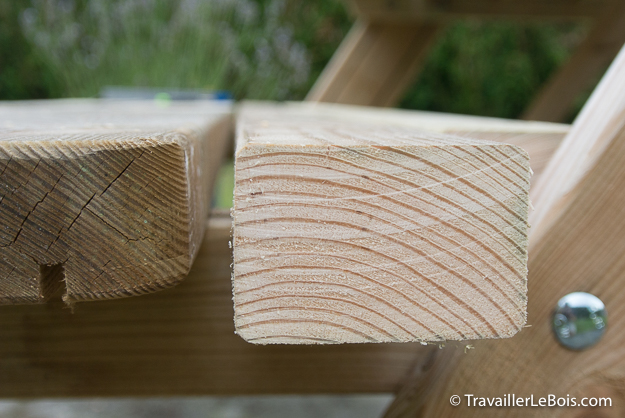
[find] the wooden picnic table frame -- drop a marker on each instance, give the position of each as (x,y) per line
(181,341)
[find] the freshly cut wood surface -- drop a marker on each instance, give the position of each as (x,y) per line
(577,243)
(177,342)
(103,199)
(356,232)
(540,146)
(182,342)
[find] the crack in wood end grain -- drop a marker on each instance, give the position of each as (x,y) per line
(104,199)
(356,233)
(115,220)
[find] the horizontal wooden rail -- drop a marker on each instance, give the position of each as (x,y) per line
(177,342)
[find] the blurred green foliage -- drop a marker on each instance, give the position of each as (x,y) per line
(23,75)
(263,49)
(493,68)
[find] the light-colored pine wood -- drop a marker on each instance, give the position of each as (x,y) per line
(540,146)
(407,10)
(182,342)
(539,139)
(103,199)
(355,232)
(374,64)
(422,120)
(177,342)
(591,58)
(594,129)
(577,244)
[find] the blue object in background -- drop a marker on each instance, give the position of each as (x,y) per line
(161,94)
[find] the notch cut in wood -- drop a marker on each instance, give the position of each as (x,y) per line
(357,232)
(106,199)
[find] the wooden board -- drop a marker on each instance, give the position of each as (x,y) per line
(539,139)
(182,342)
(374,64)
(177,342)
(373,233)
(103,199)
(577,244)
(407,10)
(593,131)
(416,119)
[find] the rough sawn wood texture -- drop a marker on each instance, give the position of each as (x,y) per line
(188,332)
(103,199)
(356,232)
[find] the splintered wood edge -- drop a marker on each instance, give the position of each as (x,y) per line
(103,213)
(354,233)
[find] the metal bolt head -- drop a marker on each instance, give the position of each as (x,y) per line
(580,320)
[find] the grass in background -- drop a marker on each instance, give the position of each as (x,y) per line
(224,186)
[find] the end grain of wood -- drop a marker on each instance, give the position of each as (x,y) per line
(348,232)
(103,199)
